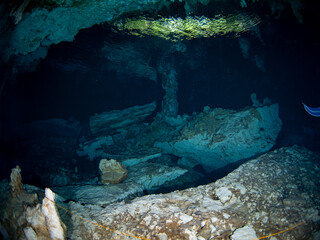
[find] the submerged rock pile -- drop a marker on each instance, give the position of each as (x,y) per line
(212,138)
(276,191)
(270,193)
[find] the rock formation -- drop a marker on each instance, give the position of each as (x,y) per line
(44,220)
(142,177)
(271,193)
(112,171)
(16,182)
(22,215)
(170,85)
(215,138)
(274,192)
(108,122)
(43,27)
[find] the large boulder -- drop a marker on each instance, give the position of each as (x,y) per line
(218,137)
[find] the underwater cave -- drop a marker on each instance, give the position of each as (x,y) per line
(149,97)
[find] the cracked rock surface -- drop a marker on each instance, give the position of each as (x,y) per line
(271,193)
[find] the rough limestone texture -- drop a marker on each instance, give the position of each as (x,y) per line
(118,119)
(44,220)
(23,217)
(118,135)
(16,182)
(143,176)
(169,103)
(54,225)
(152,175)
(13,201)
(42,28)
(219,137)
(37,223)
(274,192)
(131,161)
(100,194)
(112,171)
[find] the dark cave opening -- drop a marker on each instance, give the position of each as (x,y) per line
(75,81)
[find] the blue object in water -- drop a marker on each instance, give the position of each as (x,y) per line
(312,111)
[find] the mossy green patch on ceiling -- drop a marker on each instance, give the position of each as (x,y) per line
(175,29)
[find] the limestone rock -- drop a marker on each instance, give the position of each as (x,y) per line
(143,176)
(30,233)
(108,122)
(220,137)
(266,195)
(13,206)
(271,193)
(134,160)
(100,194)
(16,182)
(37,222)
(112,171)
(44,220)
(153,175)
(42,28)
(244,233)
(54,225)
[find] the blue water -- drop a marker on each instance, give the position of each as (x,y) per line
(75,81)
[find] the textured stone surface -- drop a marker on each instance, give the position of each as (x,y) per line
(52,219)
(13,210)
(42,28)
(139,159)
(144,176)
(100,194)
(274,192)
(219,137)
(16,182)
(112,171)
(269,194)
(119,119)
(152,175)
(244,233)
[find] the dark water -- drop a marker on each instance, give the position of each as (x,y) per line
(76,80)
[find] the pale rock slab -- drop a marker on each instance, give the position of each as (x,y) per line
(144,176)
(109,122)
(244,233)
(220,137)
